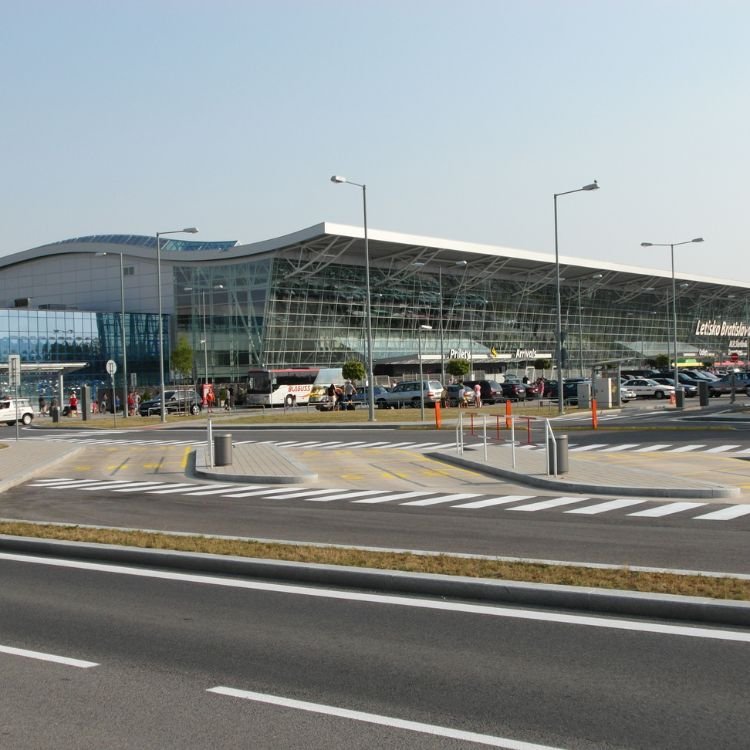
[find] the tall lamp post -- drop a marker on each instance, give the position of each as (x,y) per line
(672,246)
(421,375)
(458,263)
(188,230)
(204,340)
(370,374)
(124,347)
(559,346)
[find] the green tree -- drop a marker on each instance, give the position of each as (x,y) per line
(353,370)
(661,361)
(182,358)
(458,368)
(542,364)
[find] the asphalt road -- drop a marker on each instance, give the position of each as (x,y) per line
(674,541)
(170,649)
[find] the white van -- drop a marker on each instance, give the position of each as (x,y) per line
(16,409)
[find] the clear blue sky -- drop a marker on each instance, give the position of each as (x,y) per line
(462,118)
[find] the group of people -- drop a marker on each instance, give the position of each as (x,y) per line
(341,397)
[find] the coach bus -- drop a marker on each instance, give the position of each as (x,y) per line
(287,386)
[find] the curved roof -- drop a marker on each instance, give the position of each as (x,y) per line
(142,240)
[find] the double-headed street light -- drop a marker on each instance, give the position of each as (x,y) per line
(421,374)
(188,230)
(672,246)
(559,348)
(368,310)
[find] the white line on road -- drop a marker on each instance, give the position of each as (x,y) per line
(591,510)
(623,447)
(687,448)
(653,448)
(346,494)
(397,496)
(40,656)
(725,514)
(442,499)
(591,447)
(386,721)
(614,623)
(666,510)
(494,501)
(554,503)
(722,448)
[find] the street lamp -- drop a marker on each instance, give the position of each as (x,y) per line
(559,348)
(421,375)
(124,347)
(204,340)
(460,264)
(338,179)
(188,230)
(672,246)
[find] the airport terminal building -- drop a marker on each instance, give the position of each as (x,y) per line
(300,300)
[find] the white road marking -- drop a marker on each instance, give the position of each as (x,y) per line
(386,721)
(259,492)
(181,488)
(614,623)
(40,656)
(687,448)
(397,496)
(722,448)
(308,494)
(666,510)
(553,503)
(725,514)
(591,510)
(652,448)
(140,486)
(68,483)
(623,447)
(105,484)
(494,501)
(442,499)
(217,490)
(591,447)
(346,495)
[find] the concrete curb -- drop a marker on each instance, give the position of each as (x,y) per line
(297,472)
(592,600)
(23,473)
(596,489)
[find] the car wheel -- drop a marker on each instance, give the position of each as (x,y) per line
(289,401)
(659,394)
(415,403)
(11,423)
(195,409)
(26,419)
(380,403)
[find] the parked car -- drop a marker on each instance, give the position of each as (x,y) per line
(627,394)
(725,384)
(362,396)
(647,388)
(459,394)
(530,389)
(409,393)
(690,389)
(174,401)
(16,409)
(493,392)
(570,390)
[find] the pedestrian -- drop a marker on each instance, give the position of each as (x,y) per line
(477,395)
(42,405)
(103,403)
(73,403)
(349,392)
(131,403)
(332,396)
(210,400)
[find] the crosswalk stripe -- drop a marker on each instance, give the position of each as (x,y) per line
(623,447)
(591,447)
(63,482)
(215,490)
(494,501)
(345,446)
(175,488)
(308,494)
(652,448)
(395,496)
(347,495)
(725,514)
(666,510)
(687,448)
(591,510)
(553,503)
(443,499)
(139,486)
(742,453)
(106,484)
(265,492)
(722,448)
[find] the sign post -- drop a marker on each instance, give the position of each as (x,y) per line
(14,380)
(112,369)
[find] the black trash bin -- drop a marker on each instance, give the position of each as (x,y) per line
(562,455)
(679,398)
(703,394)
(54,412)
(222,450)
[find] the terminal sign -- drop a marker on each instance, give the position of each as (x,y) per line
(111,366)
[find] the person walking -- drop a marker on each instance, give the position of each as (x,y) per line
(332,396)
(478,395)
(73,403)
(349,392)
(42,405)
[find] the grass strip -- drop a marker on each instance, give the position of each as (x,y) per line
(618,578)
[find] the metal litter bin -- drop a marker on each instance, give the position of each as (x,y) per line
(562,455)
(679,398)
(55,413)
(222,450)
(703,394)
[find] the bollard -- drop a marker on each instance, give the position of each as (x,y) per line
(703,394)
(222,450)
(679,398)
(562,454)
(508,414)
(55,413)
(438,416)
(594,415)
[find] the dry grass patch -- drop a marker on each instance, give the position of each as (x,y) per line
(619,578)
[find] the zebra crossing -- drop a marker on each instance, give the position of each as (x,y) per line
(729,449)
(414,499)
